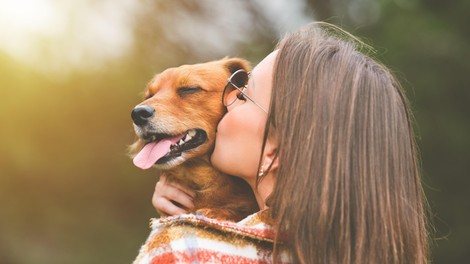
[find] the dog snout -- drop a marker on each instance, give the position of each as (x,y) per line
(141,114)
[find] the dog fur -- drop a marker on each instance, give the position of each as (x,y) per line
(186,98)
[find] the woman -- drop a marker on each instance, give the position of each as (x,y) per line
(333,162)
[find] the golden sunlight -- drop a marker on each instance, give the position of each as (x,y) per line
(65,33)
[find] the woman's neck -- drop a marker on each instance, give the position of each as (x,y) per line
(263,190)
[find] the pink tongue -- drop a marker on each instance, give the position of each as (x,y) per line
(153,151)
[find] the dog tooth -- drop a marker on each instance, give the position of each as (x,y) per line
(188,138)
(180,142)
(191,133)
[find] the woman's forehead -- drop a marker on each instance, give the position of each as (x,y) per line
(264,67)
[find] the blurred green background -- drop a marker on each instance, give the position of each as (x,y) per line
(71,71)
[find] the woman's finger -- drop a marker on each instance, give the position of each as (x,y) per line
(166,207)
(173,193)
(165,183)
(171,198)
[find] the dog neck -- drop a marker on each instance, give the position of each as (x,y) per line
(197,174)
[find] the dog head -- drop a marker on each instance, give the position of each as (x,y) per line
(178,117)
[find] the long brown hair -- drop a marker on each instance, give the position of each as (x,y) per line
(348,186)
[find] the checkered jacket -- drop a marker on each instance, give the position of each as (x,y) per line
(192,238)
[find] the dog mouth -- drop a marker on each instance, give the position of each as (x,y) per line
(161,148)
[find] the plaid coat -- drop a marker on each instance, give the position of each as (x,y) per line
(193,238)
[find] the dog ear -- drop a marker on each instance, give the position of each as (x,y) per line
(235,64)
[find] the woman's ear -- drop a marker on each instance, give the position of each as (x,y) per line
(270,160)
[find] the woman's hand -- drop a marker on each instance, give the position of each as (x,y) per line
(168,195)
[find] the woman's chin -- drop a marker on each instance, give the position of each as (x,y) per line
(215,160)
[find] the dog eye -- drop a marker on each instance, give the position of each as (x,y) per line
(189,90)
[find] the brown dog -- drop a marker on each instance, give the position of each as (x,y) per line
(176,125)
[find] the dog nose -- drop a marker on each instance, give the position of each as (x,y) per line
(141,114)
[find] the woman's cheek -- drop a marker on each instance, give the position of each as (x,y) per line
(227,144)
(238,141)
